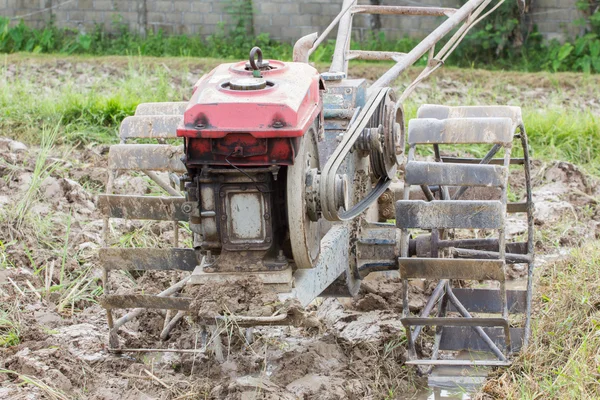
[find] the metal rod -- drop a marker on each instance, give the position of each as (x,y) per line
(415,54)
(404,10)
(345,8)
(136,312)
(484,336)
(427,192)
(491,255)
(171,324)
(439,329)
(374,55)
(484,160)
(445,194)
(430,304)
(530,238)
(445,52)
(154,176)
(185,351)
(342,43)
(502,243)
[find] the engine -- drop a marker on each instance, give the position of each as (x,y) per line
(242,129)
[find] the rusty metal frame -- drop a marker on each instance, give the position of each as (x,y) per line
(152,121)
(444,290)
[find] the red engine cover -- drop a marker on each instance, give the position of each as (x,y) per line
(250,127)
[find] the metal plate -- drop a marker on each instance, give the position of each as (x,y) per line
(460,131)
(493,161)
(449,321)
(458,338)
(332,262)
(150,126)
(488,300)
(449,268)
(470,363)
(516,207)
(163,108)
(436,173)
(459,214)
(146,157)
(444,112)
(247,207)
(144,259)
(142,207)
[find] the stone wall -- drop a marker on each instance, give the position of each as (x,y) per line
(285,20)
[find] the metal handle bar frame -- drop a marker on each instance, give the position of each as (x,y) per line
(467,15)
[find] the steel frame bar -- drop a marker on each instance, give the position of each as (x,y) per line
(426,44)
(404,10)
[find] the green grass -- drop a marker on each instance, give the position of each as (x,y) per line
(89,114)
(562,360)
(572,136)
(9,329)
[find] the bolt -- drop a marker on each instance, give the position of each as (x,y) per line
(200,126)
(268,240)
(186,208)
(223,217)
(267,216)
(280,256)
(277,124)
(221,194)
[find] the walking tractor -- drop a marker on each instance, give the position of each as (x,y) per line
(307,182)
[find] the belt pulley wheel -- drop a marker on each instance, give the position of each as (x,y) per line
(305,235)
(384,160)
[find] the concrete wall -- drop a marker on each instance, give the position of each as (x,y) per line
(283,19)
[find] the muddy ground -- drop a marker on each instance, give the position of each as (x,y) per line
(49,282)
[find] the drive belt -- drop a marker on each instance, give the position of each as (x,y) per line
(329,172)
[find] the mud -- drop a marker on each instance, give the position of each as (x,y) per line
(352,348)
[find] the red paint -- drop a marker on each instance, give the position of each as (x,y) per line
(256,119)
(254,151)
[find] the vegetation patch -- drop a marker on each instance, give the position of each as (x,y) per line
(562,360)
(505,40)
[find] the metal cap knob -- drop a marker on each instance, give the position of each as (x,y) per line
(248,84)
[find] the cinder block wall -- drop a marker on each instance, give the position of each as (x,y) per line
(285,20)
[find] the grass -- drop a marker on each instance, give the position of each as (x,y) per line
(89,96)
(44,240)
(87,112)
(40,172)
(10,331)
(562,360)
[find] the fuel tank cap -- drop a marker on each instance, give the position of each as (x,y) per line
(247,84)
